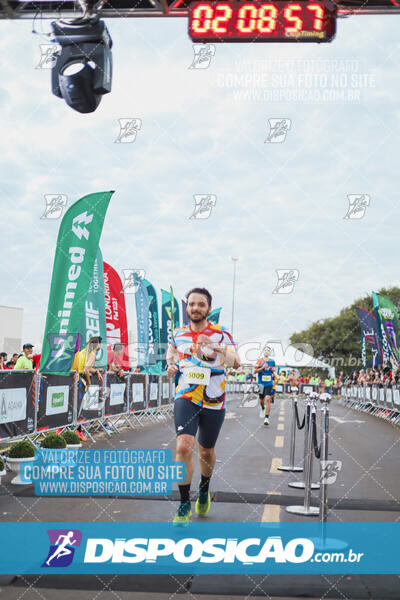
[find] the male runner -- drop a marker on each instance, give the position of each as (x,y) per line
(199,352)
(264,368)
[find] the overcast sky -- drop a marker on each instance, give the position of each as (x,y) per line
(204,131)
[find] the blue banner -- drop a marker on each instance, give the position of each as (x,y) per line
(142,320)
(103,472)
(370,336)
(208,548)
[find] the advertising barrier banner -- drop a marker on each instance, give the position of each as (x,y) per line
(116,395)
(17,403)
(138,392)
(90,401)
(56,401)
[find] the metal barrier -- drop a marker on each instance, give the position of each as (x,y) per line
(31,402)
(379,400)
(17,404)
(56,401)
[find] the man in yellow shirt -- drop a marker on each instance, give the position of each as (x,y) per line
(83,362)
(84,359)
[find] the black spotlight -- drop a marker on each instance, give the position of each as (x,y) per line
(82,73)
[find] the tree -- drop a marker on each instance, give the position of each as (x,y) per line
(337,340)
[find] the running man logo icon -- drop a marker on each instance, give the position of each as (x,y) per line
(55,204)
(286,281)
(128,129)
(63,543)
(203,54)
(357,206)
(330,470)
(278,129)
(49,54)
(203,205)
(132,280)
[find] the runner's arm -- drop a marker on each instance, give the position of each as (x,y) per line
(172,359)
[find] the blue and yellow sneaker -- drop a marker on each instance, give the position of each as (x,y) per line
(203,503)
(181,519)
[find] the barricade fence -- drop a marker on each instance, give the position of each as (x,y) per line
(382,401)
(34,403)
(235,387)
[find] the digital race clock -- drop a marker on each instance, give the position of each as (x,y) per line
(256,21)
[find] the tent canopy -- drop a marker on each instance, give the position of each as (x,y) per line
(296,357)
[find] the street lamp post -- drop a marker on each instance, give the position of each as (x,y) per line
(233,290)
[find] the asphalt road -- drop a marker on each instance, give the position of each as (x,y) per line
(247,486)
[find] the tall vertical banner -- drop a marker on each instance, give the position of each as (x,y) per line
(114,297)
(213,317)
(185,318)
(388,325)
(94,314)
(370,337)
(169,319)
(142,320)
(77,244)
(154,362)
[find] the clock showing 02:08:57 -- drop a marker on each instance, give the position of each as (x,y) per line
(255,21)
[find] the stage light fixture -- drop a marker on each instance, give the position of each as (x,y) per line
(83,70)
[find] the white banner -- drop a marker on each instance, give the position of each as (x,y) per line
(117,393)
(153,391)
(165,390)
(137,392)
(57,399)
(91,400)
(12,405)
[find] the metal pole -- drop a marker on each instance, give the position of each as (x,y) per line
(300,485)
(233,290)
(307,510)
(293,428)
(324,458)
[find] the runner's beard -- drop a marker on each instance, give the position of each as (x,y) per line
(197,317)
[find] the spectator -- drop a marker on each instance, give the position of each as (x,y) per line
(115,360)
(3,358)
(25,360)
(11,363)
(84,359)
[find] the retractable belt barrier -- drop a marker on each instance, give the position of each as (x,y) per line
(379,400)
(311,449)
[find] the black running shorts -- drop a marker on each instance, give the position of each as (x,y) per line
(190,417)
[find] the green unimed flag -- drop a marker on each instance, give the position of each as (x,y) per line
(94,314)
(77,244)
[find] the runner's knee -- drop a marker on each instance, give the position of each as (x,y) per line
(184,446)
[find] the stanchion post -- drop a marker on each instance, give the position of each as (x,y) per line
(291,467)
(300,485)
(325,399)
(307,510)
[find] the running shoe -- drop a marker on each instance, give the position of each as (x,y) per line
(181,519)
(81,435)
(203,503)
(266,421)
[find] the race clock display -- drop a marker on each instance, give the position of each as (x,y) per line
(255,21)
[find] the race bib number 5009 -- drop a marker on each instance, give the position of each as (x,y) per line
(196,375)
